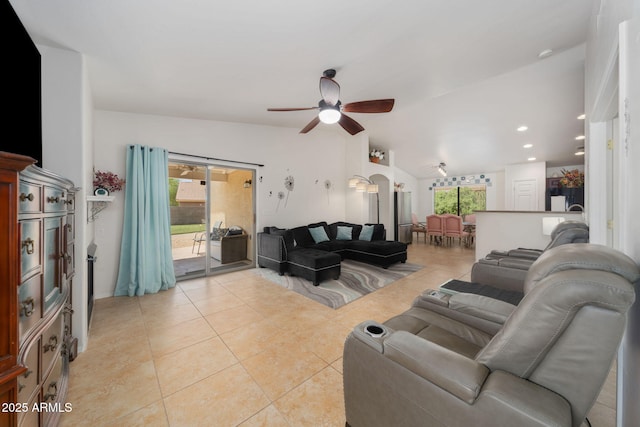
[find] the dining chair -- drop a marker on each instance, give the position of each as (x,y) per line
(418,227)
(435,229)
(453,228)
(470,227)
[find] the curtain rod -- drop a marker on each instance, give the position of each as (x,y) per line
(216,159)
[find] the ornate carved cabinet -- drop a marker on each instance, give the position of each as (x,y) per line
(37,266)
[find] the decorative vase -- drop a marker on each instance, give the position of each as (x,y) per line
(101,191)
(374,159)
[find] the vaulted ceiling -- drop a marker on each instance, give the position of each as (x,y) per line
(465,74)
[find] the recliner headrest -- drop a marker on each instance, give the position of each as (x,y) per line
(565,225)
(569,235)
(581,256)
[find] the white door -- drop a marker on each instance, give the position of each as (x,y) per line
(525,195)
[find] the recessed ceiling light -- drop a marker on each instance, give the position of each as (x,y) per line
(545,54)
(531,159)
(579,137)
(522,128)
(581,117)
(527,146)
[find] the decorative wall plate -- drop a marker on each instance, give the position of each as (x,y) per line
(289,183)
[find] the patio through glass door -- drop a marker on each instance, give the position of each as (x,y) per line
(212,218)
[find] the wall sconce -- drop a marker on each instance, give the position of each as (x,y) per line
(362,185)
(441,169)
(247,184)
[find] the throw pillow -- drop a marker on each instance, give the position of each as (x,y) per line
(344,233)
(366,233)
(318,234)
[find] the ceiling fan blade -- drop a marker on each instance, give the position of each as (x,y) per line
(330,90)
(350,125)
(292,109)
(374,106)
(313,123)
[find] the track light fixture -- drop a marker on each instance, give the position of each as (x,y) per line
(441,169)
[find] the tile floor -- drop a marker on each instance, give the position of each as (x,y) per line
(236,350)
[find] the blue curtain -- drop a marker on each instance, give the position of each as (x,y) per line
(146,264)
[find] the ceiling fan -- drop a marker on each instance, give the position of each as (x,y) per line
(332,110)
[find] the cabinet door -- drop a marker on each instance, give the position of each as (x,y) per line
(53,258)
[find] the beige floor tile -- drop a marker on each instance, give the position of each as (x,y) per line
(268,417)
(158,316)
(217,303)
(233,318)
(319,401)
(152,415)
(99,400)
(279,369)
(205,292)
(252,339)
(202,360)
(224,399)
(167,340)
(326,340)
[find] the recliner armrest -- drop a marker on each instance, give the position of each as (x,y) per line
(455,373)
(480,306)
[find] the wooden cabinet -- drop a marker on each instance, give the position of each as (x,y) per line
(37,258)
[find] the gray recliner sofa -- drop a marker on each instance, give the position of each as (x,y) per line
(508,269)
(541,363)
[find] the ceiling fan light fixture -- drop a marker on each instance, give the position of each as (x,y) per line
(329,115)
(441,169)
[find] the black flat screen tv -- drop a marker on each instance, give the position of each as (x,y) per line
(22,119)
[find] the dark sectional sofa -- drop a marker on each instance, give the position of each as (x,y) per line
(314,251)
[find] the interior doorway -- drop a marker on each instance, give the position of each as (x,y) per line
(212,218)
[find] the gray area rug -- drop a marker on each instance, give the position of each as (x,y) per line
(356,280)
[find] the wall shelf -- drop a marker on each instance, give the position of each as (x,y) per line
(96,204)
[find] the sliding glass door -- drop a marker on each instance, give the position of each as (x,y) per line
(212,218)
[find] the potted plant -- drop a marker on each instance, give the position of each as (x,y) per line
(106,182)
(376,155)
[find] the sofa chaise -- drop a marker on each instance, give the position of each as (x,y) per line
(315,251)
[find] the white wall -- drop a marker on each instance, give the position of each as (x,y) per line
(311,159)
(66,148)
(612,90)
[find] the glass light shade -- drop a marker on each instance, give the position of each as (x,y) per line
(442,171)
(372,188)
(353,182)
(329,116)
(361,187)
